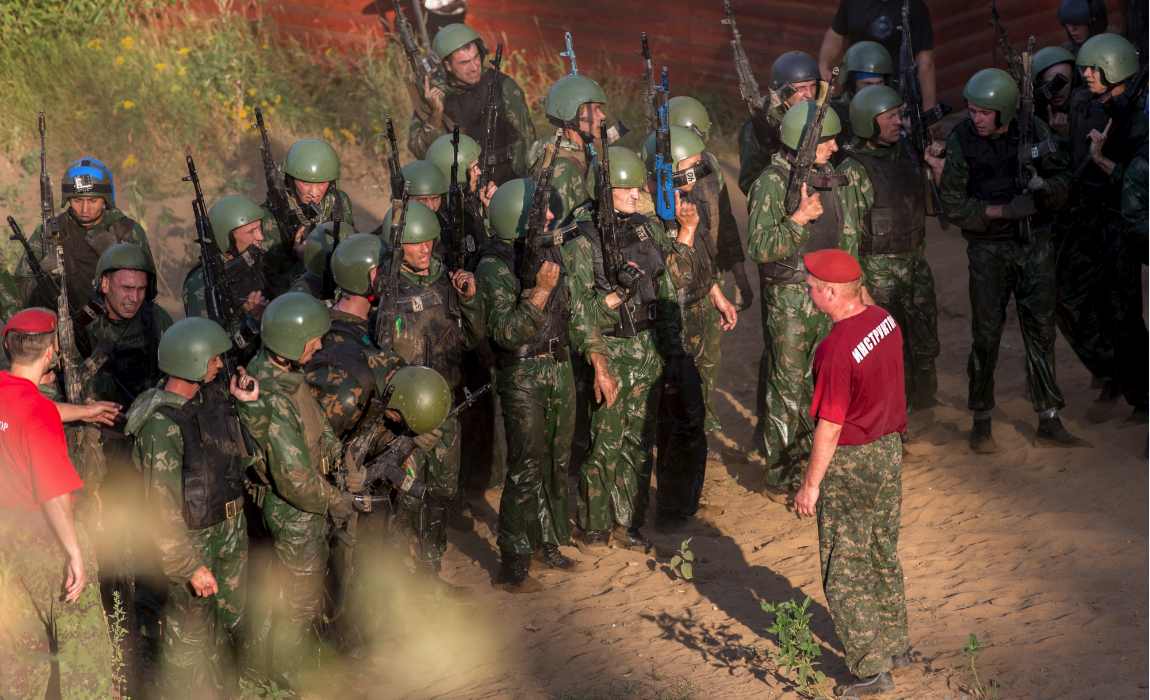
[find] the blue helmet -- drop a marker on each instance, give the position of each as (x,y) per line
(88,177)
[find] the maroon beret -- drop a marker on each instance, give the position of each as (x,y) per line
(832,265)
(34,320)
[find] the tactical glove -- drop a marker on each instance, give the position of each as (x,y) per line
(426,441)
(743,293)
(1020,207)
(354,481)
(1037,183)
(341,510)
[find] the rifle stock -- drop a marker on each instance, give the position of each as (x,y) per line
(289,217)
(387,316)
(807,151)
(462,246)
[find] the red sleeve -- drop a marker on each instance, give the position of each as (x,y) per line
(52,472)
(832,392)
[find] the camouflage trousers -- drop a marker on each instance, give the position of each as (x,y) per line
(203,637)
(38,629)
(425,519)
(10,301)
(792,329)
(707,363)
(538,400)
(615,482)
(859,510)
(682,462)
(903,285)
(999,269)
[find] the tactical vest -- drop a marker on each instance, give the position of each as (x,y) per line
(213,469)
(353,394)
(825,232)
(896,223)
(466,109)
(642,248)
(992,164)
(552,336)
(704,244)
(311,418)
(1093,188)
(430,327)
(245,274)
(81,254)
(133,366)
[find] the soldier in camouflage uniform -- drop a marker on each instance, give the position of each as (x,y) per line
(1048,63)
(298,447)
(891,201)
(980,194)
(317,250)
(865,63)
(439,319)
(528,331)
(10,302)
(792,328)
(89,225)
(724,232)
(1082,20)
(1099,308)
(616,477)
(311,171)
(188,447)
(795,77)
(457,94)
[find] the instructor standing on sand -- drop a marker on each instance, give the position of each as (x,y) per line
(856,461)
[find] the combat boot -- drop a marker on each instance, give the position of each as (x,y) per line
(513,576)
(981,440)
(1051,433)
(549,557)
(1099,411)
(431,570)
(630,538)
(588,541)
(872,687)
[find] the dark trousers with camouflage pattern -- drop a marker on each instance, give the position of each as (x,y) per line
(682,462)
(426,518)
(708,363)
(538,401)
(859,510)
(999,269)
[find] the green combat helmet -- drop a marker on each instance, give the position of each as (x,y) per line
(126,256)
(353,261)
(627,170)
(426,178)
(1113,55)
(867,57)
(230,213)
(799,117)
(510,207)
(868,105)
(312,160)
(421,396)
(189,345)
(292,321)
(441,152)
(689,112)
(454,37)
(318,245)
(420,225)
(88,177)
(991,88)
(684,144)
(561,106)
(1050,56)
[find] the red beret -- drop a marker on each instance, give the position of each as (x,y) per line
(34,320)
(832,265)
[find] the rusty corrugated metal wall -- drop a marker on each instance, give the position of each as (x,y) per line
(686,36)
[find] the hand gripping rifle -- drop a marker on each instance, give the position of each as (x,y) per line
(288,215)
(1023,167)
(650,99)
(387,317)
(422,67)
(537,220)
(805,156)
(919,122)
(393,164)
(1014,64)
(618,273)
(462,245)
(748,87)
(489,157)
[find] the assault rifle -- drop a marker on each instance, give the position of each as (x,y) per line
(620,129)
(462,246)
(650,100)
(537,220)
(760,109)
(393,164)
(1023,167)
(489,157)
(327,287)
(805,155)
(422,66)
(47,286)
(1014,64)
(288,215)
(570,54)
(624,278)
(386,318)
(47,208)
(665,165)
(918,121)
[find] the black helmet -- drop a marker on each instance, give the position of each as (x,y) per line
(1089,12)
(790,68)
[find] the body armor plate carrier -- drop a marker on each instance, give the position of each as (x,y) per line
(896,223)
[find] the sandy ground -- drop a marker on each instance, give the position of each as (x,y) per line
(1039,552)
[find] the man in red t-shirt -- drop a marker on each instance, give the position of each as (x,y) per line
(52,598)
(856,461)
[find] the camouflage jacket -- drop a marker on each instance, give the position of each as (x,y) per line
(279,429)
(307,283)
(754,156)
(104,385)
(282,265)
(570,179)
(969,213)
(511,320)
(10,303)
(773,235)
(159,455)
(513,113)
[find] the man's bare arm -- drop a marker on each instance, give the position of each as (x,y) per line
(826,440)
(58,513)
(830,52)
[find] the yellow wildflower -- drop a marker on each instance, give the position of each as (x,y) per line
(161,66)
(348,135)
(271,110)
(264,47)
(327,52)
(264,103)
(307,109)
(176,87)
(128,104)
(182,70)
(196,93)
(119,60)
(129,161)
(377,129)
(184,51)
(252,92)
(277,99)
(94,44)
(127,42)
(244,112)
(327,134)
